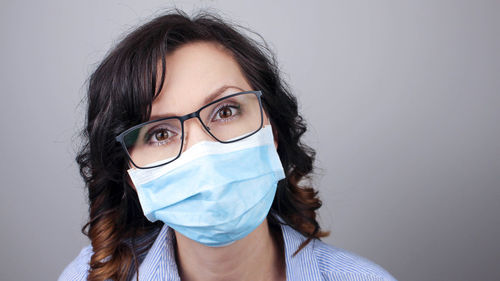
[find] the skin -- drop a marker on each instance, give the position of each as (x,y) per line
(194,71)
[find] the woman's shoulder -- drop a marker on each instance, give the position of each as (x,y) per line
(339,264)
(78,268)
(318,260)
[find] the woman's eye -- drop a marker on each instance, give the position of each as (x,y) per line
(226,112)
(160,136)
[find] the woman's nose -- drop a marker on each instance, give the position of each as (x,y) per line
(194,133)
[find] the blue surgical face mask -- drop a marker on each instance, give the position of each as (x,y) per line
(214,193)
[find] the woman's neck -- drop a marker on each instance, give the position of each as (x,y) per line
(258,256)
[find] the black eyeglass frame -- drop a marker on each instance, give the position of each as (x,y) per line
(120,137)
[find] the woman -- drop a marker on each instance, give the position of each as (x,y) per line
(193,162)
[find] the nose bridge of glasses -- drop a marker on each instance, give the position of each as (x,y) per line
(193,135)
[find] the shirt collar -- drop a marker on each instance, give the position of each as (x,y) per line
(159,263)
(302,266)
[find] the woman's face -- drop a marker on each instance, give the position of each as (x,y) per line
(196,74)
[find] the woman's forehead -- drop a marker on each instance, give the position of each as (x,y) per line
(193,72)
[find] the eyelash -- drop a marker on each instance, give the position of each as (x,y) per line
(230,105)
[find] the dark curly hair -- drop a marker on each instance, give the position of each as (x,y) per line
(120,93)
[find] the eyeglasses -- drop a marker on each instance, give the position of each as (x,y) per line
(159,142)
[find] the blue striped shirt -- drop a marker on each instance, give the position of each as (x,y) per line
(316,261)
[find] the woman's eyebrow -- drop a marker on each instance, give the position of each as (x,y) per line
(218,92)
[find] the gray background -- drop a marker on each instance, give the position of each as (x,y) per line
(402,99)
